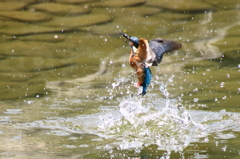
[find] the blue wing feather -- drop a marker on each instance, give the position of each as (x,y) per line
(161,46)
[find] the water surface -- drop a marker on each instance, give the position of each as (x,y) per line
(67,89)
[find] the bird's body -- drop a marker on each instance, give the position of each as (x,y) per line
(145,54)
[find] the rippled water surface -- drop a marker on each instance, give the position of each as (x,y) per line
(67,90)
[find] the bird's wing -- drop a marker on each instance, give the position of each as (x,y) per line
(161,46)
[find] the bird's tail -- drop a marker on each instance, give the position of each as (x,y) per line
(147,80)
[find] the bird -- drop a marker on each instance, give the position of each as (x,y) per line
(146,53)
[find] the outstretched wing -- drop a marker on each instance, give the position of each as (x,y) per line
(161,46)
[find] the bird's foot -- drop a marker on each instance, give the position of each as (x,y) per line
(137,85)
(142,94)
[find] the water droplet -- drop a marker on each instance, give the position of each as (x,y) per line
(222,84)
(170,80)
(114,85)
(195,90)
(224,97)
(206,140)
(195,100)
(30,102)
(224,148)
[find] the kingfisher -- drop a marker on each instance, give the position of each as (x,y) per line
(146,53)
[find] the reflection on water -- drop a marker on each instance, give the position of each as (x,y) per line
(67,90)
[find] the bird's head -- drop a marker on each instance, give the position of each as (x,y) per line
(134,41)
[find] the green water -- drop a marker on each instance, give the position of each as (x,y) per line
(67,90)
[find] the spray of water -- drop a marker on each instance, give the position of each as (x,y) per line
(137,122)
(140,123)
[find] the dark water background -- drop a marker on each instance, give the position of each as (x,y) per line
(67,90)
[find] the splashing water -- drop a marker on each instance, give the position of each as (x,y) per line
(141,122)
(137,122)
(163,124)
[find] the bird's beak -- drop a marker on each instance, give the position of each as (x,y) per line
(125,35)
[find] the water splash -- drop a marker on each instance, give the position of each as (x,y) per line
(141,122)
(137,122)
(138,125)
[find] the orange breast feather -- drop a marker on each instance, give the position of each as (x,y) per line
(137,59)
